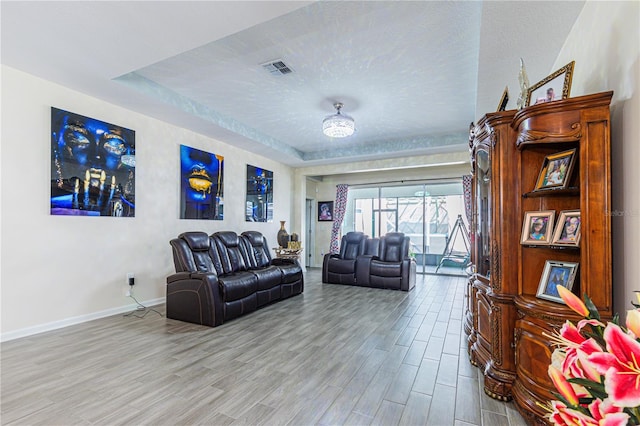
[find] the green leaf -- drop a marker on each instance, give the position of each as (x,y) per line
(616,319)
(568,404)
(593,311)
(585,400)
(595,389)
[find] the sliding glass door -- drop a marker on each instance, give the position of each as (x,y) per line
(431,214)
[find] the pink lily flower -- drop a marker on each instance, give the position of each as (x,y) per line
(573,301)
(565,416)
(633,322)
(588,370)
(562,385)
(608,414)
(592,322)
(620,366)
(577,348)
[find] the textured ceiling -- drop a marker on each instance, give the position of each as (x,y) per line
(412,74)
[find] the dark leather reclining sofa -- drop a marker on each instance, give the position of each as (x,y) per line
(226,275)
(371,262)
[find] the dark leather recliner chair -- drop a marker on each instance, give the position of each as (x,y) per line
(193,293)
(391,268)
(341,268)
(239,286)
(290,280)
(224,276)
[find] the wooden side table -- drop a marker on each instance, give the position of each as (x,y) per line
(286,253)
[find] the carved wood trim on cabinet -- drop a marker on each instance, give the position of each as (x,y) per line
(515,353)
(493,313)
(581,123)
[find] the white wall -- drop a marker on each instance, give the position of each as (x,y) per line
(605,43)
(58,270)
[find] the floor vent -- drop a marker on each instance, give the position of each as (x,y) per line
(277,67)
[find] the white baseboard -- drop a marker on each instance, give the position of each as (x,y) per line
(29,331)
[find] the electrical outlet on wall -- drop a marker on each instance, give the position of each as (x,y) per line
(130,282)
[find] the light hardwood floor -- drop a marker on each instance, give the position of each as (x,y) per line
(331,356)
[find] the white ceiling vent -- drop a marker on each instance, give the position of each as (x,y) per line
(277,67)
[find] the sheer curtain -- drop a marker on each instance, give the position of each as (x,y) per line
(466,186)
(339,208)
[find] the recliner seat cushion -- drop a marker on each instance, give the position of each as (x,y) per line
(290,273)
(268,277)
(394,247)
(342,266)
(383,269)
(257,249)
(352,245)
(197,241)
(197,257)
(238,285)
(228,244)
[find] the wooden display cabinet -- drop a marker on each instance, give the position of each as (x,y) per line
(582,124)
(490,312)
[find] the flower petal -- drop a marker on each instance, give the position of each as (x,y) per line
(571,333)
(619,366)
(562,385)
(573,301)
(633,322)
(616,419)
(592,322)
(589,370)
(562,415)
(602,361)
(622,346)
(622,387)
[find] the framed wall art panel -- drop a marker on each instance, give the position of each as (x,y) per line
(93,166)
(201,184)
(259,200)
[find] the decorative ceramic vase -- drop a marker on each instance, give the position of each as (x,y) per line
(283,236)
(294,237)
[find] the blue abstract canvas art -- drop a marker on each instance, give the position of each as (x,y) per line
(201,183)
(93,167)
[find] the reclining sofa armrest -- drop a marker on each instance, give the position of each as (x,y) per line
(195,297)
(408,274)
(325,266)
(363,269)
(178,276)
(280,261)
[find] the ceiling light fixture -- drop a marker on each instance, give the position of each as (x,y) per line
(338,125)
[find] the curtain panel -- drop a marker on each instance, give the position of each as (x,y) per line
(339,209)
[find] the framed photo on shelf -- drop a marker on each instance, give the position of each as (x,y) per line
(537,227)
(567,232)
(325,211)
(554,274)
(556,170)
(504,100)
(554,87)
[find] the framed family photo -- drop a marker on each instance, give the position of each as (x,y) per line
(554,87)
(537,227)
(504,100)
(567,230)
(556,170)
(325,211)
(554,274)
